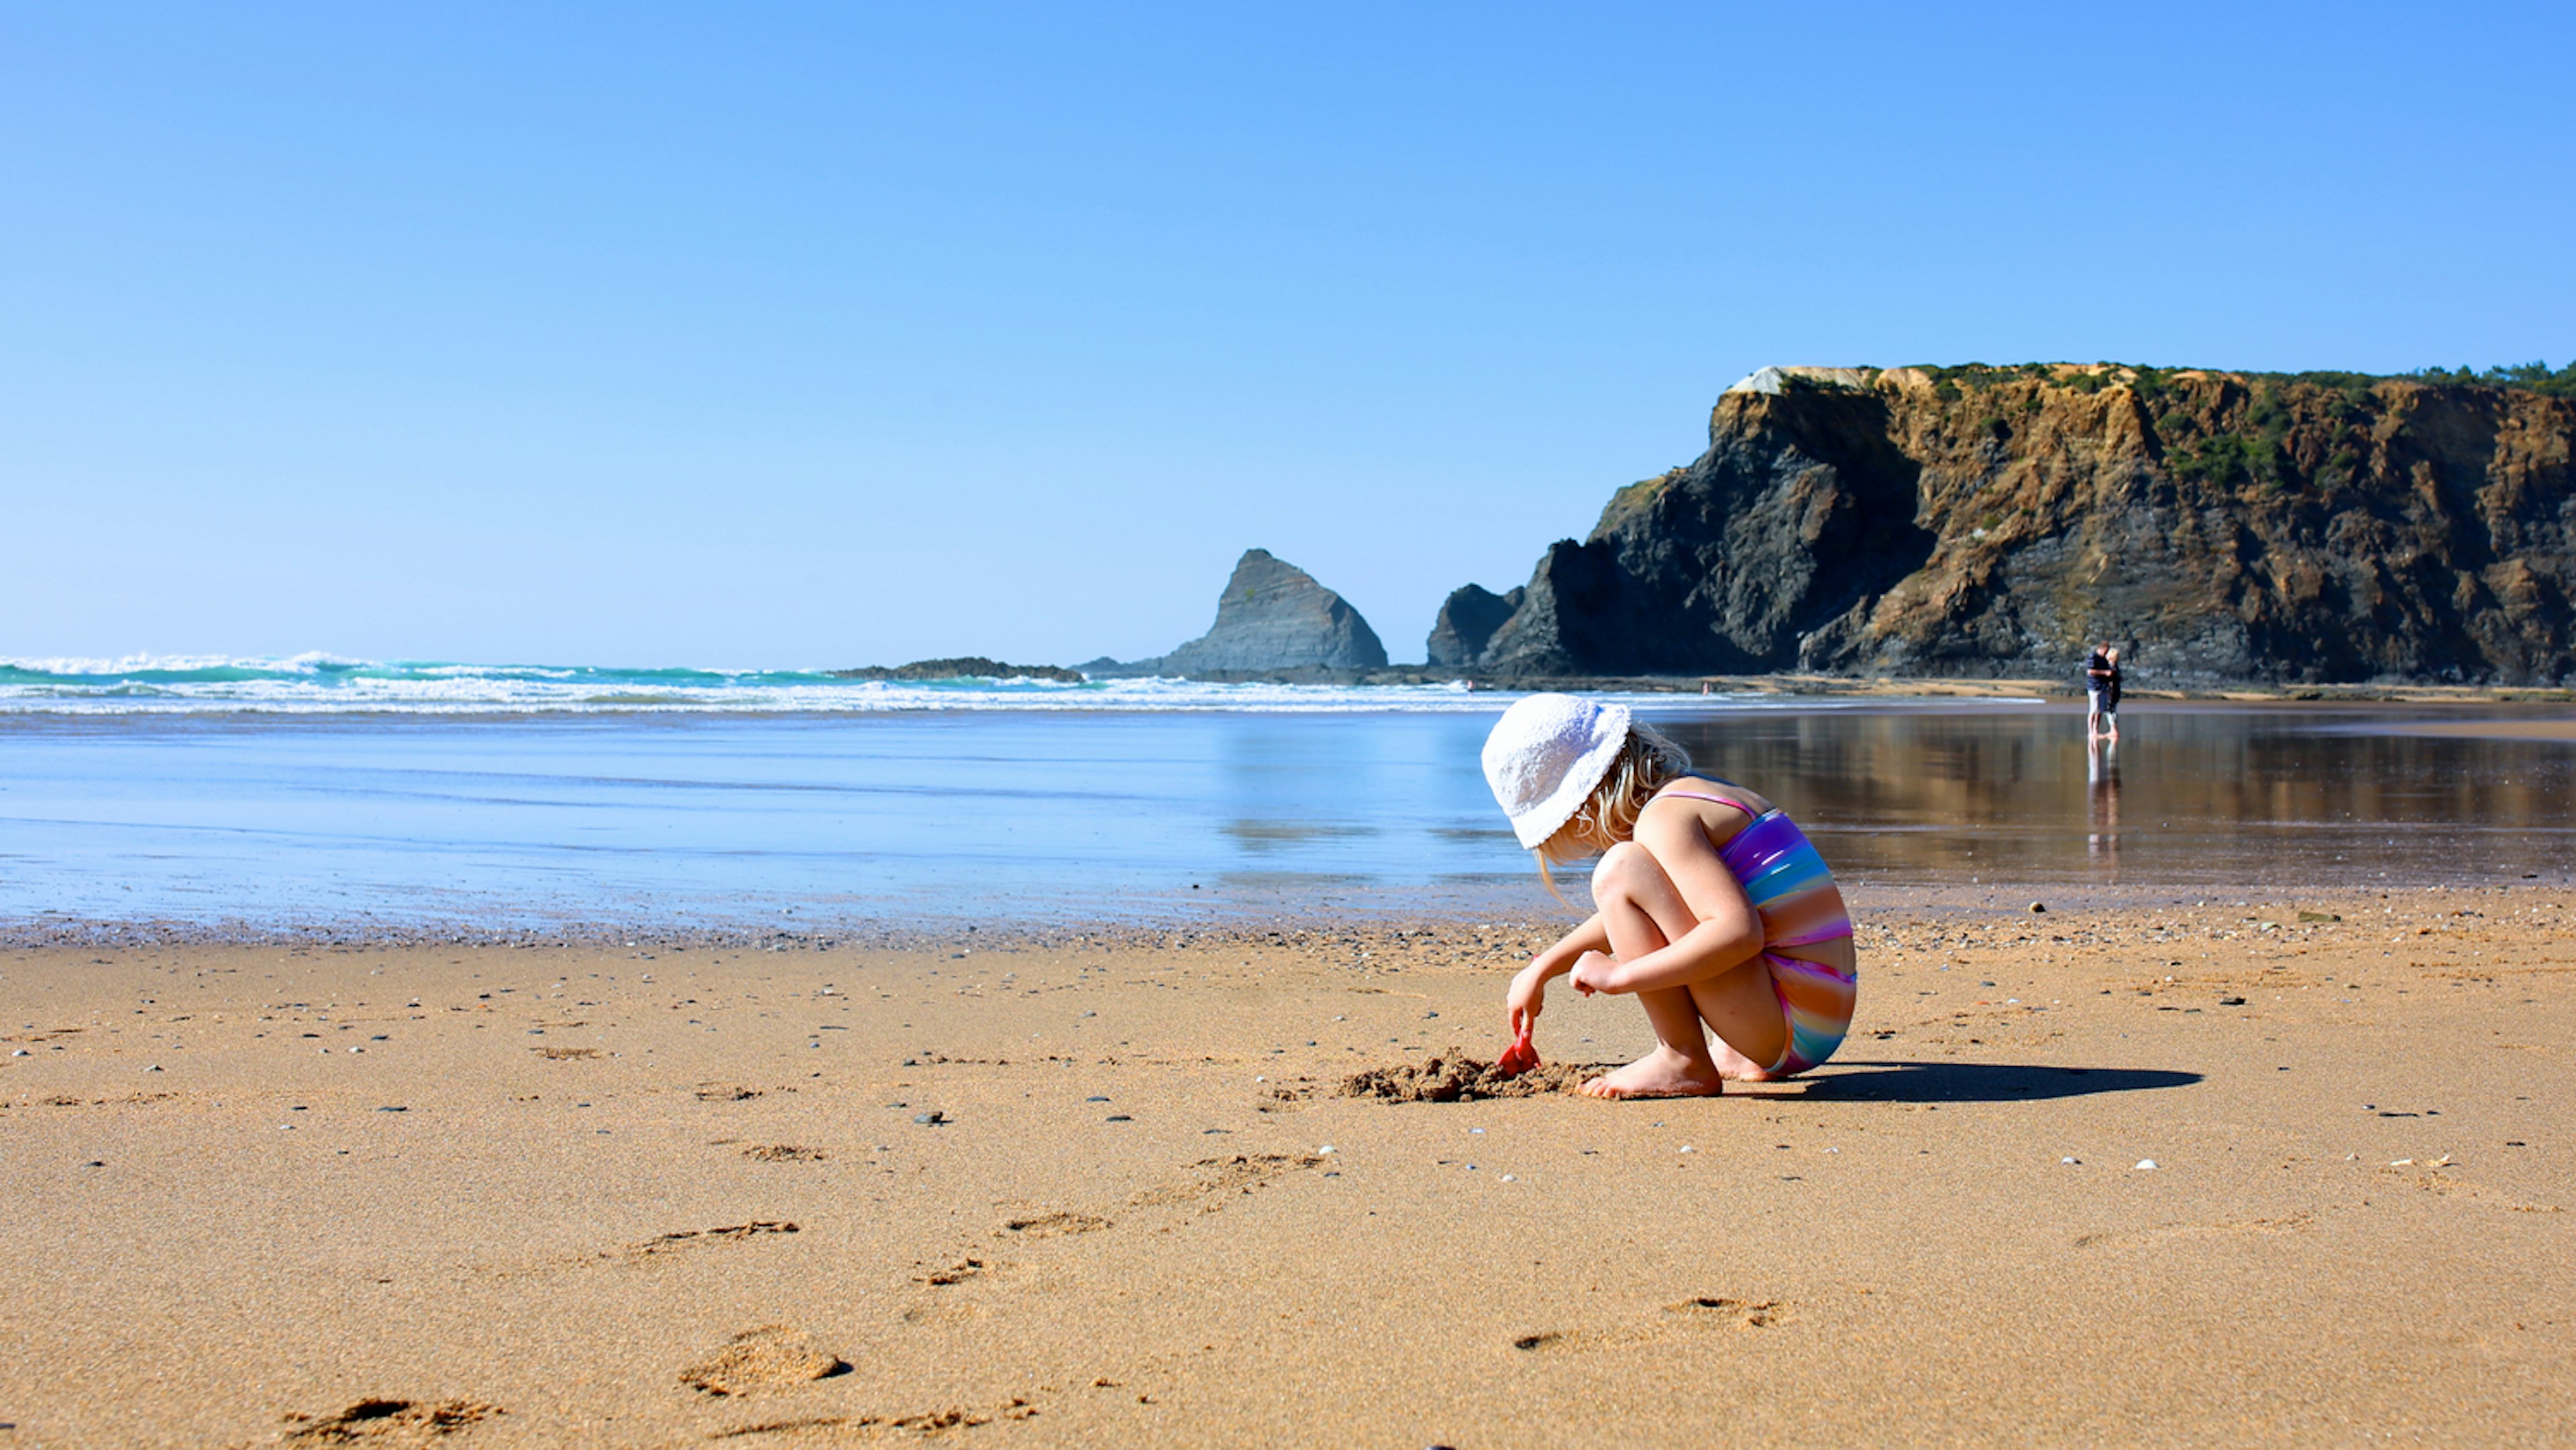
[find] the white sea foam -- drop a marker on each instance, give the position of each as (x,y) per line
(320,683)
(317,683)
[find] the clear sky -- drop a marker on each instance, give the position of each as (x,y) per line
(775,334)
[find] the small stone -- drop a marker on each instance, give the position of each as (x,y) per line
(1095,1098)
(1119,1118)
(1327,1148)
(2070,1160)
(2146,1163)
(1507,1178)
(930,1120)
(2039,908)
(1688,1149)
(156,1067)
(393,1110)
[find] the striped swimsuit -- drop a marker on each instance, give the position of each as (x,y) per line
(1795,894)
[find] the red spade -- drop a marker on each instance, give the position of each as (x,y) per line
(1518,1058)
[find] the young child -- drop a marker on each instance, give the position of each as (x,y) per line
(1714,909)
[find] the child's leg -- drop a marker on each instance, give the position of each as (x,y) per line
(1643,911)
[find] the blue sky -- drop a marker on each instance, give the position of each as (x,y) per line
(816,335)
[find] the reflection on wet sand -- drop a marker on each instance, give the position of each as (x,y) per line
(2212,794)
(2102,800)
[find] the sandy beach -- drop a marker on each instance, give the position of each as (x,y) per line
(1109,1191)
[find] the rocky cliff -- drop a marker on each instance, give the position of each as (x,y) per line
(1985,521)
(1468,619)
(1272,617)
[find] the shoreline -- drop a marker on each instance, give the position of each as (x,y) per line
(1396,921)
(1079,1191)
(1719,690)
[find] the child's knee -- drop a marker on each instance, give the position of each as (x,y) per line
(1623,869)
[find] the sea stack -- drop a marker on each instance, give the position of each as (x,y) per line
(1468,619)
(1272,617)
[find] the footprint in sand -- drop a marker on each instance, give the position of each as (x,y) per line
(783,1153)
(700,1237)
(390,1422)
(924,1423)
(771,1357)
(1738,1313)
(1215,1183)
(956,1273)
(1056,1225)
(1710,1311)
(1222,1180)
(2161,1233)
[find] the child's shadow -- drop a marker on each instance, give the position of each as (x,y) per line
(1980,1082)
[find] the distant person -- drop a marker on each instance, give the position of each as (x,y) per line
(1714,908)
(2098,674)
(2111,694)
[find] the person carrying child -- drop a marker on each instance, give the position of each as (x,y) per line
(1715,911)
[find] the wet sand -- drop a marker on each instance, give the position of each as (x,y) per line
(1108,1193)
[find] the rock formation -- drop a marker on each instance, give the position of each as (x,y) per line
(1272,618)
(966,667)
(1992,521)
(1468,619)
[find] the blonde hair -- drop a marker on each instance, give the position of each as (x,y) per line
(1647,762)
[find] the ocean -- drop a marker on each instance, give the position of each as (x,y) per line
(345,796)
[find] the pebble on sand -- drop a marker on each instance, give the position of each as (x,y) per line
(2146,1163)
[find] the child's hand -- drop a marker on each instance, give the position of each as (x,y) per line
(1528,998)
(1594,972)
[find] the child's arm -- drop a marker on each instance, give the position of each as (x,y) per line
(1529,985)
(1728,931)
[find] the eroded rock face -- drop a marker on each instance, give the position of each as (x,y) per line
(1468,619)
(1995,521)
(1273,616)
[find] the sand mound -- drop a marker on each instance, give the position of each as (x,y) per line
(1455,1078)
(763,1358)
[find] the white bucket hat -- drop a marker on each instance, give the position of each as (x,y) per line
(1547,755)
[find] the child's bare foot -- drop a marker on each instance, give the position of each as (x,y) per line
(1735,1066)
(1662,1073)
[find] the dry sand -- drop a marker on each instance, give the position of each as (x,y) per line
(1107,1193)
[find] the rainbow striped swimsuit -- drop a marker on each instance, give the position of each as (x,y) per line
(1795,894)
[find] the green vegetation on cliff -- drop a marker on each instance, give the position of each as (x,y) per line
(2316,527)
